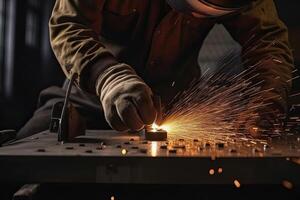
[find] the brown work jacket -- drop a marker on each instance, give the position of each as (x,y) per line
(161,44)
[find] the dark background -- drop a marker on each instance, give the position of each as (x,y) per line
(27,64)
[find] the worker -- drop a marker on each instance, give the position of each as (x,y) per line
(125,51)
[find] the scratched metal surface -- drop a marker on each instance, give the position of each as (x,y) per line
(109,143)
(109,157)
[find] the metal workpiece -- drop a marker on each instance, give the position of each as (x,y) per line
(110,157)
(154,132)
(157,135)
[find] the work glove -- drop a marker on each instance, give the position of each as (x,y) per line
(125,98)
(266,121)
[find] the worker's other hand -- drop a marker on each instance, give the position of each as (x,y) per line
(259,127)
(266,121)
(126,99)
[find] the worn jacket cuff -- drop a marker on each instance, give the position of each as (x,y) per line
(91,73)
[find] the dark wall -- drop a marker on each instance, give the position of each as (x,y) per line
(30,57)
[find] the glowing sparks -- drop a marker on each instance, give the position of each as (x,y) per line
(124,151)
(287,184)
(220,170)
(212,107)
(237,183)
(219,107)
(226,106)
(154,149)
(155,127)
(211,172)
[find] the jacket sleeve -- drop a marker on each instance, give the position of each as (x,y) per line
(74,34)
(264,40)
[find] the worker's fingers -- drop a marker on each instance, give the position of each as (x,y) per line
(113,119)
(128,114)
(145,108)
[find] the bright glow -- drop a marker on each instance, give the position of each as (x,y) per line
(124,151)
(166,127)
(156,127)
(154,148)
(220,170)
(237,183)
(211,171)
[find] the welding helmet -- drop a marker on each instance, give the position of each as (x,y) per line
(210,8)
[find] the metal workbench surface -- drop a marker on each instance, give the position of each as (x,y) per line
(110,157)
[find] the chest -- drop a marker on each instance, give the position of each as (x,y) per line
(128,21)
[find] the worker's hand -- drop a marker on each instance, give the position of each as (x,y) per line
(265,122)
(126,99)
(259,127)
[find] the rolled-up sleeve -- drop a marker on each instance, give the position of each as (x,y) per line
(74,34)
(264,39)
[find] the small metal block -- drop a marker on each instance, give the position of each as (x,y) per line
(41,150)
(135,147)
(88,151)
(82,145)
(119,146)
(69,148)
(157,135)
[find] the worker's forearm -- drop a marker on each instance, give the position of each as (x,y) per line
(74,29)
(264,39)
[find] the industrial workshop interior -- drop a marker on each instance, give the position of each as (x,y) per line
(149,99)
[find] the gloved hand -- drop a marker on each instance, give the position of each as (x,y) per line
(266,121)
(126,99)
